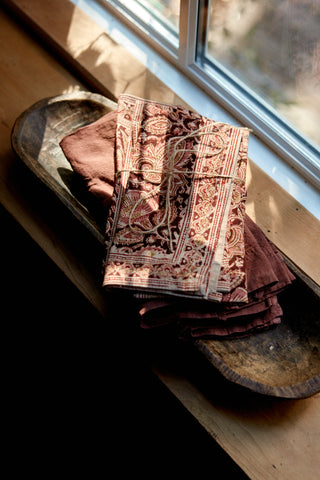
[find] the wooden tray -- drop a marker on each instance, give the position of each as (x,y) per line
(283,362)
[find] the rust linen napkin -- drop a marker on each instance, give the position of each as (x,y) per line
(91,152)
(267,275)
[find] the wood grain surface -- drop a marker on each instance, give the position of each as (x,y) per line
(269,438)
(284,361)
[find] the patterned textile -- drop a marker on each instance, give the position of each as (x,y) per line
(91,152)
(177,219)
(267,275)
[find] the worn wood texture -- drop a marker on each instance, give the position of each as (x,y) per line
(269,437)
(36,137)
(29,73)
(283,362)
(278,439)
(104,64)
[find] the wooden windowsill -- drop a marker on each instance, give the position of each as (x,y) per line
(267,437)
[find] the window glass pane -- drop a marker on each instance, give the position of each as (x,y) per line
(166,11)
(273,46)
(159,16)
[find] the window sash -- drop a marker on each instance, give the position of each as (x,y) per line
(226,89)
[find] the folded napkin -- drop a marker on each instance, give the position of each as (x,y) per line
(175,225)
(267,275)
(172,182)
(90,151)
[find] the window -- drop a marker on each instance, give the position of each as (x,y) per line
(161,17)
(274,48)
(260,59)
(166,11)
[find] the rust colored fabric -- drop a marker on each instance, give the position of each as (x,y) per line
(91,151)
(267,275)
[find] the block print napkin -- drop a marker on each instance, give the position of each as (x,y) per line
(176,222)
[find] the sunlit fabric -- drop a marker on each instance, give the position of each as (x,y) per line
(176,223)
(173,186)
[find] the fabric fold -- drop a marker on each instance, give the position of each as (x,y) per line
(172,183)
(90,151)
(267,275)
(179,193)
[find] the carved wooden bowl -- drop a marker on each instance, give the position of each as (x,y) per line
(283,362)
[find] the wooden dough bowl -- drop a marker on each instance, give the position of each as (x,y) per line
(282,362)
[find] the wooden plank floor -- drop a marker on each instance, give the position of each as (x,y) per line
(268,438)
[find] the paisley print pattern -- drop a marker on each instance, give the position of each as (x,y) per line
(176,224)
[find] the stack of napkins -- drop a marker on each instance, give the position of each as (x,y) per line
(177,235)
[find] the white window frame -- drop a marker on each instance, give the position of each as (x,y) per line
(276,146)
